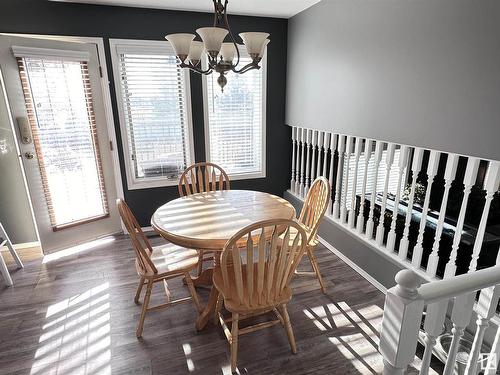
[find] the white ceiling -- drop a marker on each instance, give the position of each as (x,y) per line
(267,8)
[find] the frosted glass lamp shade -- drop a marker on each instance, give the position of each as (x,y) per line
(195,52)
(254,42)
(263,50)
(212,38)
(181,44)
(228,51)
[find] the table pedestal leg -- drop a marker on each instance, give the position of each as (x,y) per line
(209,310)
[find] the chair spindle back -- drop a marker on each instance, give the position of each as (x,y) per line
(315,206)
(203,177)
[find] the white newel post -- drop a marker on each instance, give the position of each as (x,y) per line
(418,154)
(309,136)
(486,307)
(326,142)
(345,185)
(321,135)
(449,176)
(357,155)
(460,316)
(400,324)
(433,327)
(469,181)
(338,181)
(367,156)
(491,187)
(300,189)
(294,145)
(379,147)
(431,173)
(333,148)
(389,159)
(403,160)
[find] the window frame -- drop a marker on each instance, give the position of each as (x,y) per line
(147,46)
(246,175)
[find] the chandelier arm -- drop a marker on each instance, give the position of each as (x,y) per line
(231,34)
(246,68)
(196,69)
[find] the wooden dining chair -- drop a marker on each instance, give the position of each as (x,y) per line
(256,266)
(312,212)
(158,263)
(200,178)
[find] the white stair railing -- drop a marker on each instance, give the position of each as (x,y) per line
(368,178)
(403,311)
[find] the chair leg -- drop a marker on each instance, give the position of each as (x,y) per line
(218,307)
(200,262)
(145,305)
(139,289)
(288,328)
(234,341)
(192,291)
(315,266)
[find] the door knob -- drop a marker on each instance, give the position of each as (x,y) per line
(29,155)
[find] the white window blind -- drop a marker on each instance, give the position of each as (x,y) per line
(58,99)
(235,123)
(155,113)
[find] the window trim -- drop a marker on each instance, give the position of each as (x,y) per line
(248,175)
(146,45)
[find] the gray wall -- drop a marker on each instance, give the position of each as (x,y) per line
(421,72)
(15,213)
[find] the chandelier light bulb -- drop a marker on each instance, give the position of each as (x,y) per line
(228,51)
(195,52)
(181,44)
(212,38)
(254,42)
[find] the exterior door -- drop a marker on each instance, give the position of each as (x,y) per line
(56,102)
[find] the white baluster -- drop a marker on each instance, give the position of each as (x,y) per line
(294,145)
(326,143)
(469,181)
(379,147)
(486,307)
(314,152)
(418,154)
(389,159)
(367,157)
(357,154)
(494,356)
(403,160)
(345,188)
(309,136)
(449,176)
(431,173)
(491,187)
(338,181)
(300,190)
(333,148)
(400,324)
(433,327)
(321,136)
(461,315)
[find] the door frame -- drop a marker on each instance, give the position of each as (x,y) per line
(108,109)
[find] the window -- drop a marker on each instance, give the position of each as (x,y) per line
(155,112)
(235,122)
(59,100)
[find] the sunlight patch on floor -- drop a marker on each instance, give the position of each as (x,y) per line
(73,250)
(76,338)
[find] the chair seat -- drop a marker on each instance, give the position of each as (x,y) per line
(171,259)
(230,294)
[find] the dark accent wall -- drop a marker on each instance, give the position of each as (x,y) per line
(53,18)
(424,73)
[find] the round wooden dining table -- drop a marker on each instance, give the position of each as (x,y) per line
(206,221)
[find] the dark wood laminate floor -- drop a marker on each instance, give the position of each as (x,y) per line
(75,315)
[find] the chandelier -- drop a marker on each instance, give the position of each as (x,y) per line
(220,54)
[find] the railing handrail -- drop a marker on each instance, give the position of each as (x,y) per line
(457,285)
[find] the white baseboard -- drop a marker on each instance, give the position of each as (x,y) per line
(353,265)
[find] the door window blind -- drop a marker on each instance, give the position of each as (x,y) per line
(58,99)
(235,121)
(155,113)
